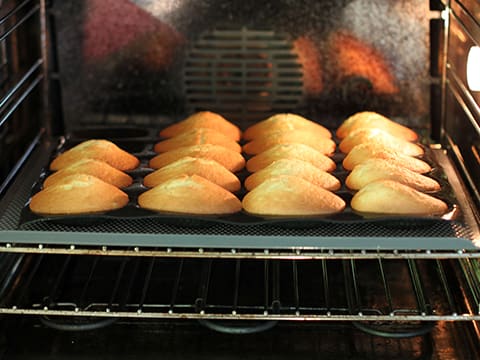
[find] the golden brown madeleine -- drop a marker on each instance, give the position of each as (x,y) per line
(291,151)
(78,194)
(231,160)
(96,168)
(208,169)
(379,169)
(197,137)
(380,138)
(284,123)
(203,119)
(102,150)
(373,120)
(391,197)
(190,194)
(290,195)
(324,145)
(294,167)
(364,152)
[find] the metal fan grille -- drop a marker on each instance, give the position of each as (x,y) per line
(247,74)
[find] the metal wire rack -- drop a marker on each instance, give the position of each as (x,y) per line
(245,289)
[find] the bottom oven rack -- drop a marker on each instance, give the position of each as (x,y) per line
(335,290)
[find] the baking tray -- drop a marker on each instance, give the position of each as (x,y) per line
(140,142)
(139,234)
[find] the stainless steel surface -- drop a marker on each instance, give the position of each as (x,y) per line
(108,65)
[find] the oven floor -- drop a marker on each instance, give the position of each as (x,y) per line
(27,338)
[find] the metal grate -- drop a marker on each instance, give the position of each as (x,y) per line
(393,290)
(244,74)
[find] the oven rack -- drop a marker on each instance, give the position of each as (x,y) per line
(143,237)
(236,253)
(243,289)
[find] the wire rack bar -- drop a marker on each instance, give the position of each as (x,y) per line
(266,277)
(326,291)
(117,283)
(51,298)
(280,317)
(203,286)
(147,282)
(236,286)
(86,286)
(386,287)
(176,285)
(12,12)
(418,287)
(471,275)
(19,22)
(24,80)
(294,254)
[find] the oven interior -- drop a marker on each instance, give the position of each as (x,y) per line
(122,70)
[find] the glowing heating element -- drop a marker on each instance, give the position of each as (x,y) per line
(473,68)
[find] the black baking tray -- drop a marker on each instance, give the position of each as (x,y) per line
(141,145)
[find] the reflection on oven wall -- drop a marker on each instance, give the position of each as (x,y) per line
(354,55)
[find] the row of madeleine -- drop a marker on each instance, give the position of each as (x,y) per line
(294,176)
(383,157)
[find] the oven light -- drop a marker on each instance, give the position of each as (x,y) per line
(473,68)
(444,15)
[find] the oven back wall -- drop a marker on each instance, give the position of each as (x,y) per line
(146,61)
